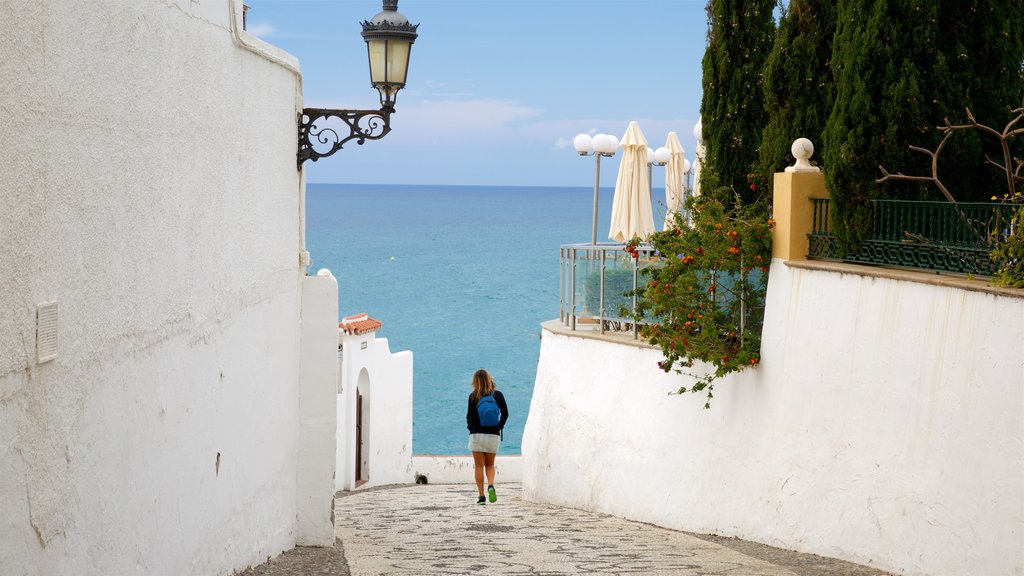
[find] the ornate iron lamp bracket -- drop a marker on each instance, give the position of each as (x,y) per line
(322,131)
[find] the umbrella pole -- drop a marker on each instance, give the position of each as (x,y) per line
(597,180)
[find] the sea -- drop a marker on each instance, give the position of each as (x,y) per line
(462,276)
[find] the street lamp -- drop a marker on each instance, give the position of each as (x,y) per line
(598,146)
(657,157)
(662,156)
(389,37)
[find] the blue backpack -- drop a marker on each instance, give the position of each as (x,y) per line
(488,411)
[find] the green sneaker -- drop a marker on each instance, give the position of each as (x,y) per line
(481,501)
(491,494)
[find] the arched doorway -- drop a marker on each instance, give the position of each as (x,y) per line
(363,399)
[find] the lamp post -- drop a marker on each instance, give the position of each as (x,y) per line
(659,157)
(598,146)
(389,37)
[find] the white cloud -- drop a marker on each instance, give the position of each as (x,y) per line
(260,29)
(458,121)
(562,132)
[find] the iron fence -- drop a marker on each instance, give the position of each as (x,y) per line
(939,236)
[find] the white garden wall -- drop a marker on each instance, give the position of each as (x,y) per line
(148,186)
(884,426)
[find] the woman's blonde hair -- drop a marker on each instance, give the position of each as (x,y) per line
(483,384)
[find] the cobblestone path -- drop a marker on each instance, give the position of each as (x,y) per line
(427,530)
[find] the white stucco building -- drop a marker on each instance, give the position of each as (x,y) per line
(374,408)
(176,414)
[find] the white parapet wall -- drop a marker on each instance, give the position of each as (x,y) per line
(884,426)
(149,188)
(459,469)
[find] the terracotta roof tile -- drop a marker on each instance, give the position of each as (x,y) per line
(358,324)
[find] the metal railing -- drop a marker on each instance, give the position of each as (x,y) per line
(593,281)
(917,234)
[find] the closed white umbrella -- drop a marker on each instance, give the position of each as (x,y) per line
(632,215)
(675,183)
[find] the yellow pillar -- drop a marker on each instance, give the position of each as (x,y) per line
(793,212)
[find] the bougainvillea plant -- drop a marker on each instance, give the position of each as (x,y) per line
(706,303)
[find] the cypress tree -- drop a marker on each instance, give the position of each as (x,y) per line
(901,67)
(740,34)
(983,42)
(880,62)
(798,85)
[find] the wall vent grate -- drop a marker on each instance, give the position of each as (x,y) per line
(46,332)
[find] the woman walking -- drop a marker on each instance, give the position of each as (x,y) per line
(485,417)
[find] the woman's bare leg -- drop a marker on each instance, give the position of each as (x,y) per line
(479,461)
(489,467)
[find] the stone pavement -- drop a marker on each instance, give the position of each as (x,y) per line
(439,530)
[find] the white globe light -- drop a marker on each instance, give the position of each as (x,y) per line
(604,144)
(686,166)
(613,144)
(650,155)
(662,155)
(698,130)
(583,143)
(597,142)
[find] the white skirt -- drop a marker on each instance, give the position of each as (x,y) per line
(484,443)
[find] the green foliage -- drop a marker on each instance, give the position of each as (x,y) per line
(984,46)
(1009,254)
(900,69)
(694,298)
(740,34)
(798,88)
(877,102)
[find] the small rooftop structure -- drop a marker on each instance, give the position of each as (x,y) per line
(358,324)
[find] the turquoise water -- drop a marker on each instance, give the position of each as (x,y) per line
(460,275)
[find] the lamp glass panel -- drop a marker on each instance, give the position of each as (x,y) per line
(397,61)
(377,50)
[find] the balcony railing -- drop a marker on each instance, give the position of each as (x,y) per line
(937,236)
(593,280)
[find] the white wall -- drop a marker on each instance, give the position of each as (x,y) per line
(318,416)
(459,469)
(148,185)
(884,426)
(387,382)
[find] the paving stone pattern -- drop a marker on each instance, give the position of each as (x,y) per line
(439,530)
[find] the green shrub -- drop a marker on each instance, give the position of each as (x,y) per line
(693,301)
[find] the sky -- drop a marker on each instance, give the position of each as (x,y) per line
(498,89)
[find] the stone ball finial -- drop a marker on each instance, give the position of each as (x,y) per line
(802,150)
